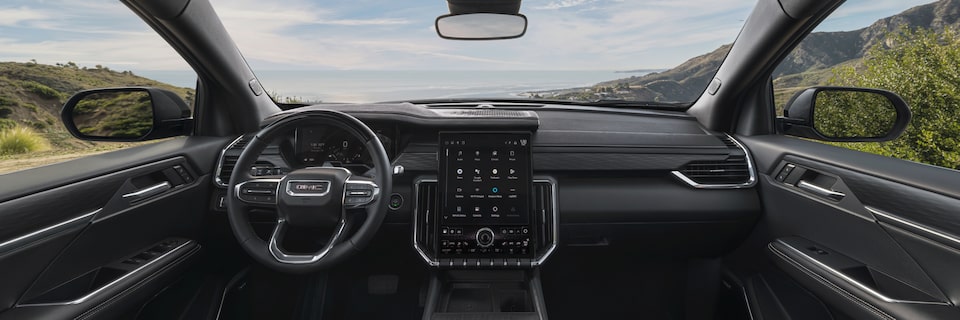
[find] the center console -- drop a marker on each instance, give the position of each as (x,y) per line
(485,222)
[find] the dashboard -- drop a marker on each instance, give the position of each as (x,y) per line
(507,187)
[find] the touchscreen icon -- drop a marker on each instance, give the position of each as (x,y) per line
(459,171)
(495,171)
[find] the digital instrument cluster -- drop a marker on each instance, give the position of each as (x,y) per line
(319,145)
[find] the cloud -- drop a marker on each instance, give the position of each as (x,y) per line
(561,4)
(340,34)
(367,22)
(17,16)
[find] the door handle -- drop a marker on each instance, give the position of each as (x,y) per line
(820,191)
(148,191)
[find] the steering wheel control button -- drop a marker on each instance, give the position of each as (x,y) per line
(255,191)
(396,201)
(485,237)
(360,193)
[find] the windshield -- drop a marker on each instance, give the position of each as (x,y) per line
(388,50)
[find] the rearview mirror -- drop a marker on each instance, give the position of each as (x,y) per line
(126,114)
(843,114)
(481,26)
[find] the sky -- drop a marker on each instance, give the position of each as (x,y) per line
(399,35)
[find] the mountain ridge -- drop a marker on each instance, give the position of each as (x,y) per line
(808,64)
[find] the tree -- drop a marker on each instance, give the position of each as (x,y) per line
(922,66)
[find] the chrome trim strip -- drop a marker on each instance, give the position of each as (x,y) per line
(916,226)
(743,291)
(91,295)
(226,290)
(216,177)
(538,261)
(416,214)
(854,282)
(820,191)
(20,241)
(298,194)
(751,170)
(556,222)
(148,191)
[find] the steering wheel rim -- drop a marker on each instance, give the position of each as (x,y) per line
(309,184)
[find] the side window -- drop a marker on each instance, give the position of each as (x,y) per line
(50,50)
(905,47)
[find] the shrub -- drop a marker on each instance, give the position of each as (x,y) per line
(923,66)
(19,140)
(8,101)
(5,111)
(42,90)
(7,124)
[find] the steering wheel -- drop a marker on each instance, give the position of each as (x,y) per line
(310,197)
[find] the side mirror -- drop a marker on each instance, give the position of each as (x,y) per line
(481,26)
(126,114)
(842,114)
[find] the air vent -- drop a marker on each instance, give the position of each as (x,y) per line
(228,160)
(424,211)
(736,171)
(544,206)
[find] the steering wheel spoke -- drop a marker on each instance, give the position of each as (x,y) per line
(276,238)
(258,192)
(360,192)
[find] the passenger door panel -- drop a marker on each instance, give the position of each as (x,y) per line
(858,230)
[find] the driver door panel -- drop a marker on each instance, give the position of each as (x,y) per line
(103,244)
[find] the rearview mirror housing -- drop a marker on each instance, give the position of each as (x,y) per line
(845,114)
(126,114)
(481,26)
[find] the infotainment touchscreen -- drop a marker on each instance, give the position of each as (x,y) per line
(485,179)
